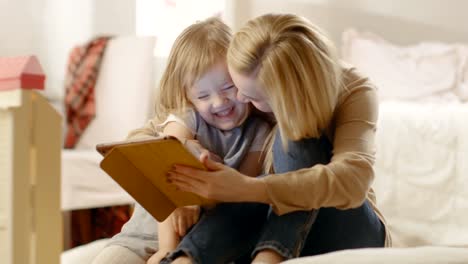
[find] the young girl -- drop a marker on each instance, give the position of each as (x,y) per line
(323,152)
(197,104)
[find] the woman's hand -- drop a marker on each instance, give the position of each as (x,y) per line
(183,218)
(220,183)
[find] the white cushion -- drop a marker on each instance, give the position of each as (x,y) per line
(83,254)
(404,72)
(85,184)
(124,90)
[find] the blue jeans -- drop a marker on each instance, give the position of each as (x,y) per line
(305,233)
(236,231)
(223,234)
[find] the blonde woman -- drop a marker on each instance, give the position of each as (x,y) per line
(321,158)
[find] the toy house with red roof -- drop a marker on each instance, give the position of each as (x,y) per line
(21,73)
(30,145)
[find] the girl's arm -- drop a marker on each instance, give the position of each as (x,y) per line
(178,130)
(176,225)
(172,128)
(184,134)
(148,130)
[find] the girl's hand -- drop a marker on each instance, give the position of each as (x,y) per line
(199,151)
(220,183)
(184,218)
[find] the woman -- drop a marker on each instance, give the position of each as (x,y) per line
(322,154)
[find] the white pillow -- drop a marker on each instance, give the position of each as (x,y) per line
(124,90)
(404,72)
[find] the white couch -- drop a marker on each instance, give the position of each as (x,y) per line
(421,170)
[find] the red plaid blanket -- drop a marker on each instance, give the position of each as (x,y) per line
(82,70)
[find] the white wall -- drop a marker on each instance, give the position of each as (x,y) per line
(450,15)
(446,14)
(65,23)
(49,29)
(19,27)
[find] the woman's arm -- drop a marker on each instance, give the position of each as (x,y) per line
(343,183)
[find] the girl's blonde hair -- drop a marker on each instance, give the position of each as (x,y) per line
(297,67)
(198,48)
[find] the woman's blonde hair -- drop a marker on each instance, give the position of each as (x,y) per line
(297,66)
(198,48)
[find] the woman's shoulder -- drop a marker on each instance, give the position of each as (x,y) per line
(358,96)
(354,79)
(355,84)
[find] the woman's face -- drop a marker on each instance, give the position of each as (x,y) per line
(249,90)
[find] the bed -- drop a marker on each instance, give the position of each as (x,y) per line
(419,60)
(421,182)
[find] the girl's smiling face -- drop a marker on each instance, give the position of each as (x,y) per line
(214,97)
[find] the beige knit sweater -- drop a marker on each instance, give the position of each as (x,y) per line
(344,182)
